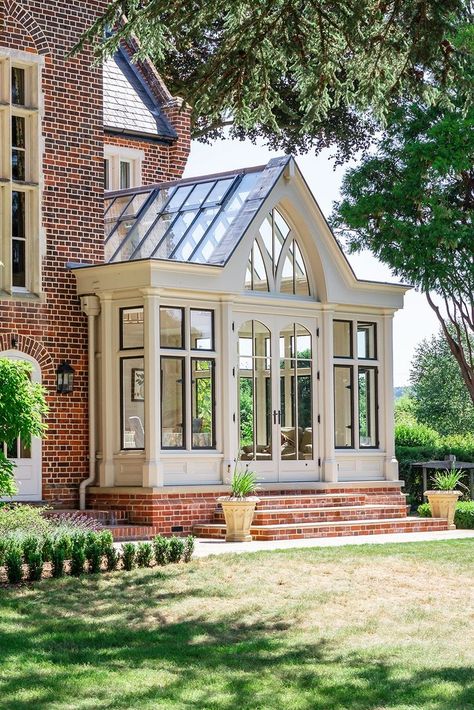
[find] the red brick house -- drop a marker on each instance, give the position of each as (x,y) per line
(204,319)
(63,124)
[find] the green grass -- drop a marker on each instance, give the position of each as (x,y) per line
(380,626)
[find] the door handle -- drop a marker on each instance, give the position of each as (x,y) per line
(279,416)
(275,416)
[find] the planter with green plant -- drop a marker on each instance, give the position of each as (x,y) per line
(239,506)
(444,497)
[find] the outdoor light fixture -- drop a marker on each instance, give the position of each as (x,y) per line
(64,378)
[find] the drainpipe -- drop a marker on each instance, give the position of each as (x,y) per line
(90,305)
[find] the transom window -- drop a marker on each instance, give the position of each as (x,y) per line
(355,384)
(276,262)
(20,170)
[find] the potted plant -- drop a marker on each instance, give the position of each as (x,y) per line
(239,506)
(444,498)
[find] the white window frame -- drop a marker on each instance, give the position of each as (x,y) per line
(118,154)
(32,111)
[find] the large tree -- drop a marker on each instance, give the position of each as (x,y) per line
(438,394)
(412,204)
(300,73)
(22,408)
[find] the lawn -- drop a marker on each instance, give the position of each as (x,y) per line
(379,626)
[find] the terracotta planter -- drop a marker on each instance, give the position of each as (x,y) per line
(443,505)
(238,514)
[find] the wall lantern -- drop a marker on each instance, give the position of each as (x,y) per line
(64,377)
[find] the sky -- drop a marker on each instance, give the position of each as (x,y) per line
(416,321)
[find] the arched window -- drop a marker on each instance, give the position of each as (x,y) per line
(276,262)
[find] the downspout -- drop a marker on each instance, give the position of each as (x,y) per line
(90,305)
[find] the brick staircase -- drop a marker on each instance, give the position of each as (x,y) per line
(116,521)
(293,516)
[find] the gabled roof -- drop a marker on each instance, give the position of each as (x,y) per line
(197,220)
(130,106)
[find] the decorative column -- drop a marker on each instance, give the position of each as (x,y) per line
(226,408)
(329,463)
(108,414)
(152,469)
(388,423)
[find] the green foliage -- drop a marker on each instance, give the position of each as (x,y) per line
(144,554)
(59,553)
(244,483)
(35,566)
(78,554)
(297,74)
(93,551)
(14,562)
(47,548)
(128,556)
(463,517)
(405,410)
(29,518)
(411,203)
(30,546)
(22,408)
(106,540)
(3,549)
(416,435)
(161,546)
(246,411)
(176,548)
(112,557)
(448,480)
(188,548)
(440,397)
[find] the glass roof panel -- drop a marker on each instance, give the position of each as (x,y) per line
(201,221)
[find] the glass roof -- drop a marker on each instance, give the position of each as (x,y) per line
(199,221)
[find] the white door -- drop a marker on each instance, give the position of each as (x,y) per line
(277,398)
(27,460)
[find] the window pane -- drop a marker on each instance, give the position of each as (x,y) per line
(343,407)
(172,405)
(18,164)
(171,327)
(366,340)
(202,336)
(18,264)
(18,214)
(18,132)
(133,403)
(368,407)
(342,338)
(202,395)
(18,86)
(132,328)
(106,174)
(124,175)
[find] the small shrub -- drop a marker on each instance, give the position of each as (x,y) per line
(29,518)
(144,554)
(47,548)
(424,510)
(188,548)
(106,540)
(13,562)
(58,557)
(35,565)
(161,546)
(448,480)
(78,554)
(93,550)
(31,546)
(176,549)
(75,521)
(416,435)
(128,556)
(3,549)
(112,556)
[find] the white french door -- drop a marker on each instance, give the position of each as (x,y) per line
(277,397)
(26,459)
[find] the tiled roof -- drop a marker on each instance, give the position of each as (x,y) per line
(129,105)
(199,220)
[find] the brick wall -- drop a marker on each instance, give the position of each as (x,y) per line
(72,219)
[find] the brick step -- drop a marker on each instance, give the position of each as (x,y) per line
(280,516)
(309,500)
(121,533)
(328,529)
(103,516)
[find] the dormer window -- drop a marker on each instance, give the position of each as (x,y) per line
(122,167)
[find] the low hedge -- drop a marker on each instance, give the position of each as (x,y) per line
(81,552)
(463,517)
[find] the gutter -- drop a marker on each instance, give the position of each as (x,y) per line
(90,305)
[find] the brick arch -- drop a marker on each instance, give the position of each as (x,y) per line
(28,346)
(26,20)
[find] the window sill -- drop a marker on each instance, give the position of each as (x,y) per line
(22,296)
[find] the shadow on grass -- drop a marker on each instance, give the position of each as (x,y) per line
(68,647)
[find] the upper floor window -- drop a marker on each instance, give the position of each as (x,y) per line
(276,262)
(20,171)
(122,167)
